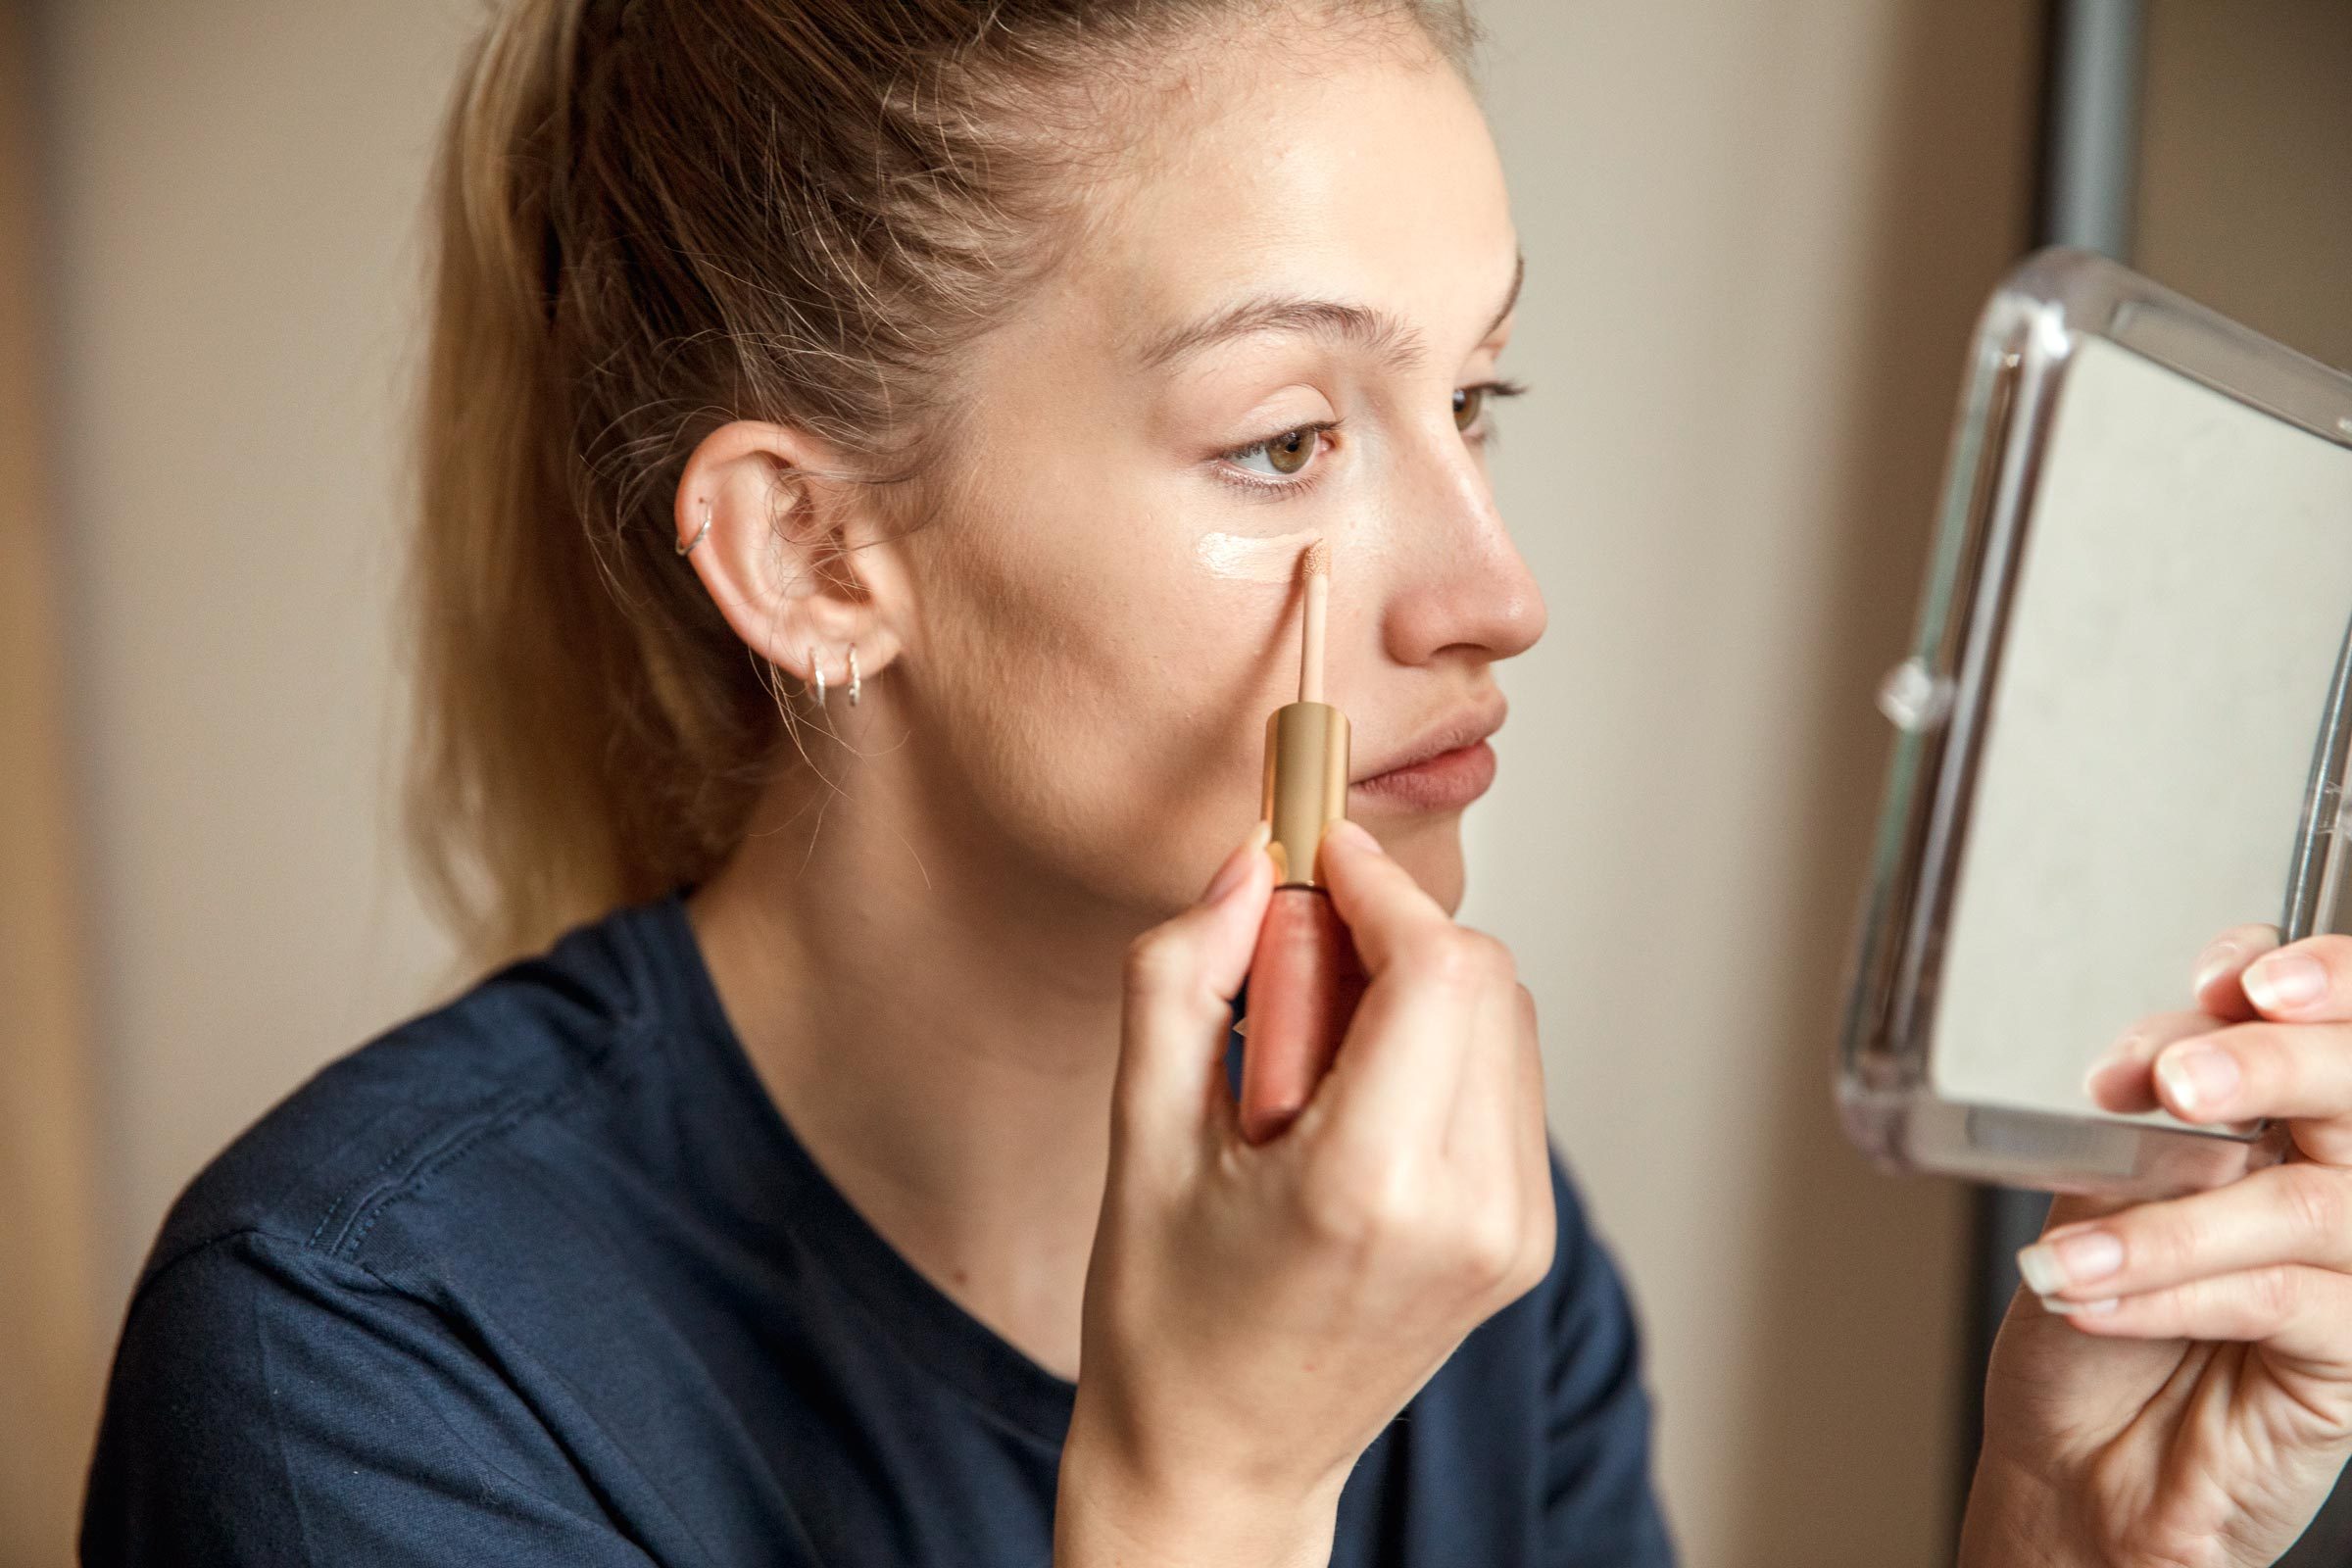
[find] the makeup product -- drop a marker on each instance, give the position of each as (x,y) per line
(1253,558)
(1306,977)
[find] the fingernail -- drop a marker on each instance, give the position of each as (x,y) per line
(1354,832)
(2063,1260)
(2198,1077)
(2285,980)
(2097,1308)
(1236,868)
(2131,1051)
(2210,963)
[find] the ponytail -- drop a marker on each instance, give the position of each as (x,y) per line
(530,678)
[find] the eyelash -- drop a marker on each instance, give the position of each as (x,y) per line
(1274,489)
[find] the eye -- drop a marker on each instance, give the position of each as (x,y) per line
(1285,456)
(1470,401)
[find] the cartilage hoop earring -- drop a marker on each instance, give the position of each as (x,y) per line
(697,533)
(819,671)
(853,683)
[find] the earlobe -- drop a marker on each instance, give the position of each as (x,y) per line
(790,559)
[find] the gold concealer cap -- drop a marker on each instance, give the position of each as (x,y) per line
(1306,785)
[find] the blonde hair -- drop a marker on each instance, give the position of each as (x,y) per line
(650,217)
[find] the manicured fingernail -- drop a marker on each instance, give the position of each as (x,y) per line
(2198,1077)
(2285,980)
(2098,1308)
(1236,868)
(2064,1260)
(1354,832)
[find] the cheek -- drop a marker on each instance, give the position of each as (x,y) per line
(1101,708)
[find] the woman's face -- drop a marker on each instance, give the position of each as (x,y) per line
(1111,611)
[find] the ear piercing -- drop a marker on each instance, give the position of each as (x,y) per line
(856,685)
(697,533)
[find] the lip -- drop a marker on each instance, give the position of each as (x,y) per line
(1450,764)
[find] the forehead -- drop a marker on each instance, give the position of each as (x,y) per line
(1375,180)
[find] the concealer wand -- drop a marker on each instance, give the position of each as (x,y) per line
(1306,977)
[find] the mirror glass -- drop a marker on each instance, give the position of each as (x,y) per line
(2180,611)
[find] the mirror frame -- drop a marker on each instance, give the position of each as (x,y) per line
(1938,701)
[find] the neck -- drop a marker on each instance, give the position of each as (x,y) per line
(939,1028)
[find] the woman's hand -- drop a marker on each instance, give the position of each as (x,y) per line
(2180,1392)
(1256,1314)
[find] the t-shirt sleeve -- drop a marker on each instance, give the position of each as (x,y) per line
(272,1404)
(1599,1506)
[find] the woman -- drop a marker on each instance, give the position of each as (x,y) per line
(855,439)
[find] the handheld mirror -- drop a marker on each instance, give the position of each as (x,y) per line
(2122,728)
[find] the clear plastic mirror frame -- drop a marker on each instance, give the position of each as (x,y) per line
(1939,700)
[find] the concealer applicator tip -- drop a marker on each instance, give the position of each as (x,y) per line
(1318,560)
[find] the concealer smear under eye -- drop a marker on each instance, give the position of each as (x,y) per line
(1253,557)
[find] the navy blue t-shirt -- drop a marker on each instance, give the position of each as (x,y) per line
(542,1277)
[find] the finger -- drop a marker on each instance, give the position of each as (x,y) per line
(1384,910)
(1392,1082)
(2070,1208)
(1482,1138)
(2291,1309)
(1177,1000)
(1397,1068)
(2249,1070)
(2215,986)
(2124,1080)
(2304,982)
(1535,1140)
(2299,1212)
(1530,1137)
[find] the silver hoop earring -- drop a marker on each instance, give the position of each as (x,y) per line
(819,671)
(853,683)
(697,533)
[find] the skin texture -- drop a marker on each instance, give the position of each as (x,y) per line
(1061,728)
(963,948)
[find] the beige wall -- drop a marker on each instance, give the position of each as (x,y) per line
(238,185)
(1756,236)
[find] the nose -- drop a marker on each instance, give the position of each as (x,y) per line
(1462,583)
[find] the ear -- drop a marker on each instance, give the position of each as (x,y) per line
(795,558)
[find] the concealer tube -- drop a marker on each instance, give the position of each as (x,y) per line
(1304,977)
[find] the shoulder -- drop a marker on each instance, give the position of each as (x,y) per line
(307,1369)
(547,1036)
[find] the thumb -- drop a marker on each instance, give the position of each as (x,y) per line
(1181,978)
(1386,912)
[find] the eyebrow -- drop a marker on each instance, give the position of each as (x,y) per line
(1364,326)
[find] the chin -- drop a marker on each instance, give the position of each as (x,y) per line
(1430,848)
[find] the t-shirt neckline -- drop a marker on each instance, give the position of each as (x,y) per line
(930,1326)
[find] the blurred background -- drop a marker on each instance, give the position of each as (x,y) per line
(1757,235)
